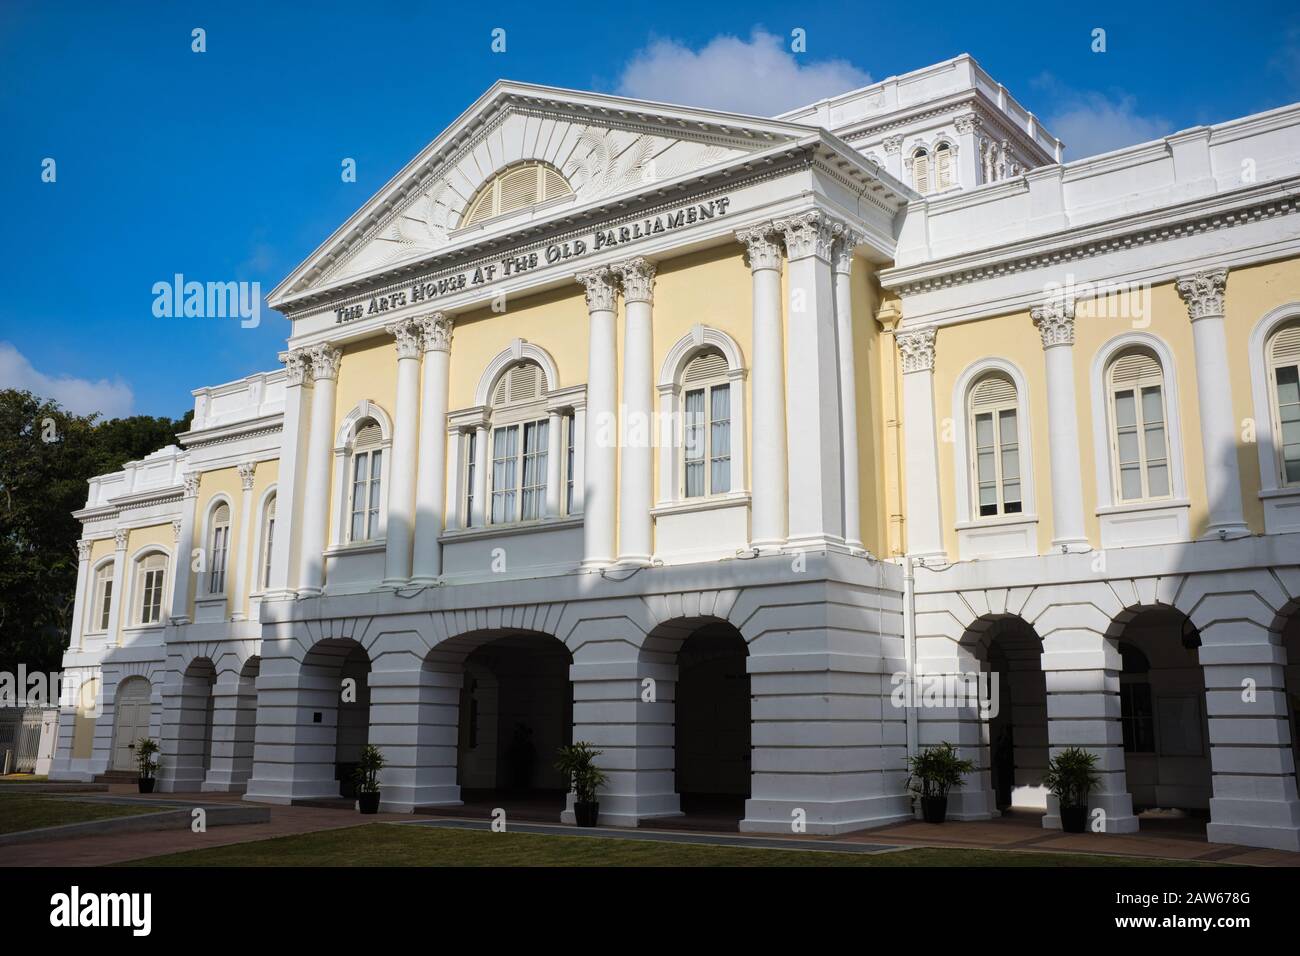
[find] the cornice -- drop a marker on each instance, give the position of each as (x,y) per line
(221,434)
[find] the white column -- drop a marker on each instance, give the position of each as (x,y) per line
(81,600)
(816,474)
(242,561)
(121,593)
(920,450)
(599,530)
(455,502)
(430,485)
(967,158)
(636,471)
(179,609)
(320,461)
(848,389)
(579,457)
(554,462)
(769,521)
(481,459)
(1203,294)
(401,470)
(1055,322)
(289,483)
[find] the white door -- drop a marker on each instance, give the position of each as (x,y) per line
(131,721)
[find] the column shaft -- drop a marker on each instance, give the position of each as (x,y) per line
(636,472)
(401,491)
(920,451)
(242,566)
(430,491)
(554,462)
(1055,322)
(289,485)
(848,387)
(599,500)
(316,490)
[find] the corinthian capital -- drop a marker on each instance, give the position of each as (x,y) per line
(1055,322)
(1203,293)
(808,234)
(846,240)
(602,288)
(296,363)
(191,480)
(325,362)
(917,349)
(436,331)
(638,276)
(761,246)
(247,474)
(407,334)
(83,549)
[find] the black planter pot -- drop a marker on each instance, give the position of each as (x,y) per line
(145,784)
(934,809)
(368,802)
(586,812)
(1074,819)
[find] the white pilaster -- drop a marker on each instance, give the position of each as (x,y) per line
(289,485)
(481,459)
(554,462)
(769,521)
(82,602)
(1203,293)
(816,482)
(121,591)
(1055,323)
(636,472)
(921,452)
(180,603)
(848,388)
(241,568)
(602,420)
(401,472)
(320,459)
(430,490)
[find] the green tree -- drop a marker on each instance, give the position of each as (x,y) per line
(46,456)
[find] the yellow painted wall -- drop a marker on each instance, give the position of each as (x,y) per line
(163,537)
(868,343)
(266,475)
(212,483)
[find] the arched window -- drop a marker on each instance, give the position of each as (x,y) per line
(943,167)
(518,445)
(151,578)
(921,170)
(995,446)
(102,598)
(366,472)
(1139,437)
(218,546)
(1136,715)
(268,540)
(515,188)
(706,426)
(1284,395)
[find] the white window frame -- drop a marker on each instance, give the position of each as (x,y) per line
(928,186)
(995,412)
(140,585)
(361,468)
(1139,426)
(706,460)
(101,610)
(521,417)
(266,539)
(341,533)
(1281,501)
(217,536)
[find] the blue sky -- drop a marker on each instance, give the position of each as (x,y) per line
(225,165)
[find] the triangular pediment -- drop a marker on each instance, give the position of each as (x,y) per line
(604,146)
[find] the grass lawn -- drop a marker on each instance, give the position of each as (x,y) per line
(20,811)
(386,844)
(22,778)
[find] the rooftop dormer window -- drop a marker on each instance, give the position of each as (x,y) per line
(514,188)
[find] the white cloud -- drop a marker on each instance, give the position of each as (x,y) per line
(1091,123)
(78,395)
(759,76)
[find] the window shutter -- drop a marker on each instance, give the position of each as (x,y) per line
(1286,345)
(523,382)
(705,366)
(1135,370)
(921,171)
(516,188)
(368,433)
(993,390)
(221,515)
(943,166)
(555,185)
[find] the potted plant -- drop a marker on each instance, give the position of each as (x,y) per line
(147,763)
(1070,778)
(935,771)
(578,764)
(367,776)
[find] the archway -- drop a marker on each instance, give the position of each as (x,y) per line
(192,754)
(1290,635)
(335,691)
(1162,713)
(234,729)
(132,710)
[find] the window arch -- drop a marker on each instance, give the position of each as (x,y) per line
(993,414)
(218,547)
(945,167)
(149,601)
(1138,426)
(365,481)
(518,445)
(921,170)
(513,188)
(101,597)
(1282,355)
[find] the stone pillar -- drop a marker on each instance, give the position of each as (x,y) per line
(1055,323)
(430,486)
(893,146)
(599,506)
(1203,293)
(288,489)
(243,566)
(234,714)
(401,470)
(554,463)
(921,452)
(968,159)
(121,595)
(482,461)
(320,461)
(636,471)
(414,714)
(181,573)
(848,390)
(83,603)
(769,521)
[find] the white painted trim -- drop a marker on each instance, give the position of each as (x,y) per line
(201,591)
(520,350)
(133,573)
(961,433)
(256,583)
(1101,418)
(342,465)
(1265,440)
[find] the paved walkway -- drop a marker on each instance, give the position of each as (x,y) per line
(1171,840)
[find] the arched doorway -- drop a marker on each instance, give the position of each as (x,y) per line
(132,709)
(192,754)
(711,733)
(1162,713)
(335,694)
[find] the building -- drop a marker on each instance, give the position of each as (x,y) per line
(694,434)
